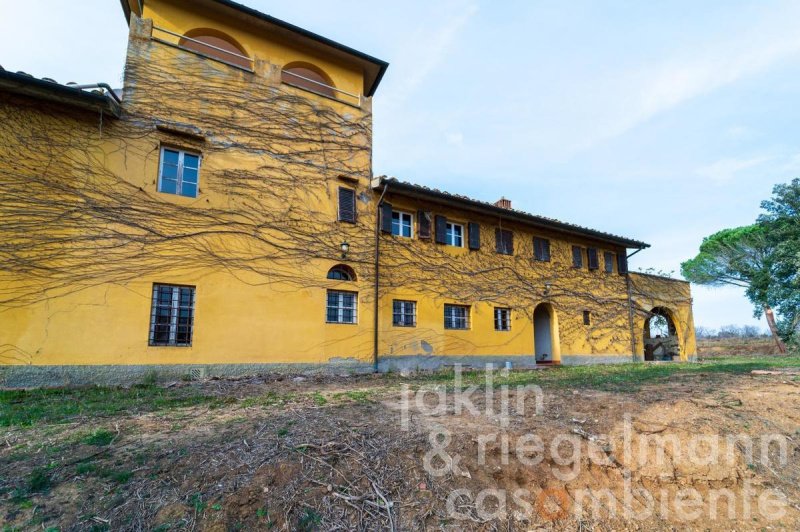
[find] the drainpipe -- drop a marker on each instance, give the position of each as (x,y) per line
(377,277)
(630,307)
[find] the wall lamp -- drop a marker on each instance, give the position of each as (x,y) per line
(345,248)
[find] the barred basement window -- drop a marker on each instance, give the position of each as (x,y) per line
(172,315)
(502,319)
(456,317)
(404,313)
(178,173)
(342,307)
(587,317)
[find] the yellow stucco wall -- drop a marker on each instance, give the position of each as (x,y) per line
(92,234)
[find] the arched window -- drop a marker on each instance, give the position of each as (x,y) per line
(342,272)
(309,77)
(216,44)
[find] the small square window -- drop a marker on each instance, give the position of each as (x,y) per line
(454,235)
(342,307)
(608,260)
(587,317)
(404,313)
(402,224)
(456,317)
(179,172)
(502,319)
(172,315)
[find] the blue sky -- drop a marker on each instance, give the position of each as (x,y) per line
(662,121)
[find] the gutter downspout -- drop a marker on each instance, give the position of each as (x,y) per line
(377,277)
(629,288)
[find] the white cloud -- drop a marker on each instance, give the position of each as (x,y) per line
(725,170)
(423,51)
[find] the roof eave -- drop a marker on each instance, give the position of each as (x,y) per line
(528,219)
(55,92)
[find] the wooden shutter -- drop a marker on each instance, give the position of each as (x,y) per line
(386,217)
(541,249)
(347,205)
(622,263)
(424,224)
(577,257)
(546,249)
(608,262)
(441,229)
(474,230)
(591,255)
(505,241)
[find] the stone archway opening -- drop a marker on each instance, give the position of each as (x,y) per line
(661,340)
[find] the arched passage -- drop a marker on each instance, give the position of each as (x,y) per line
(545,334)
(661,341)
(216,44)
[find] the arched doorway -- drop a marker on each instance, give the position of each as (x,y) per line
(545,334)
(661,340)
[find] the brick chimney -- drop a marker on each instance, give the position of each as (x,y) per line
(503,203)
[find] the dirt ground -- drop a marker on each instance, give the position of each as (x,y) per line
(345,453)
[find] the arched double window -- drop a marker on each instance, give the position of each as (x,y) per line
(309,77)
(216,44)
(342,272)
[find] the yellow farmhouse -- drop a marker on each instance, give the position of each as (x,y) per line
(219,215)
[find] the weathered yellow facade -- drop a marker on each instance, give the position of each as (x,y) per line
(86,234)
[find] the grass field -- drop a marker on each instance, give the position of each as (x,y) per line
(319,453)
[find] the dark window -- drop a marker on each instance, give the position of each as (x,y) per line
(342,307)
(424,224)
(502,319)
(456,317)
(342,272)
(386,217)
(577,257)
(404,313)
(441,224)
(592,259)
(505,241)
(541,249)
(622,263)
(608,261)
(587,317)
(474,235)
(172,315)
(347,205)
(179,172)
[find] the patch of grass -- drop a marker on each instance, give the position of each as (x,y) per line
(617,377)
(197,502)
(309,520)
(39,480)
(63,405)
(99,438)
(359,396)
(268,399)
(319,399)
(121,476)
(85,468)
